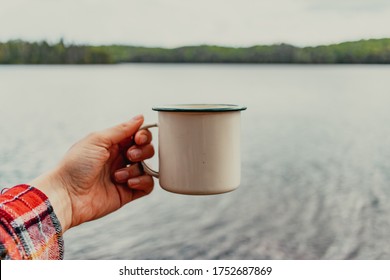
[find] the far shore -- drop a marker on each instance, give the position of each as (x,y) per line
(372,51)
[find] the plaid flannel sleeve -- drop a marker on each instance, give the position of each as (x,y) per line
(29,228)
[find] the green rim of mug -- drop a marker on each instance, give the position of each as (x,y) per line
(199,108)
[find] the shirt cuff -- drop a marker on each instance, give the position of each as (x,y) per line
(29,228)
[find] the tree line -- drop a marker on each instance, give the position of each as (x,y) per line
(363,51)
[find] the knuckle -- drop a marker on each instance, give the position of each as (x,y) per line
(123,126)
(98,138)
(134,170)
(93,135)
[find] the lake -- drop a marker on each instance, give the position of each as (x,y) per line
(315,157)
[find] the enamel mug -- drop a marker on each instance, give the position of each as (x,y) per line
(198,148)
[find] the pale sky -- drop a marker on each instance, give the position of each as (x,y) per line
(172,23)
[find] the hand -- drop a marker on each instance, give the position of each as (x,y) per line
(93,178)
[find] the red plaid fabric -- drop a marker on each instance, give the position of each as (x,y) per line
(29,228)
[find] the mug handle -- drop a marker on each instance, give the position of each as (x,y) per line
(146,168)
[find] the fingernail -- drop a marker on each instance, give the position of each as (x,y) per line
(134,182)
(135,154)
(122,175)
(143,138)
(137,118)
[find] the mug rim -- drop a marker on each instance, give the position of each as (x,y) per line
(199,108)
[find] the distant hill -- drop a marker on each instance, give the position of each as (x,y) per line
(364,51)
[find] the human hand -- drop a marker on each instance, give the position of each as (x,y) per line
(94,178)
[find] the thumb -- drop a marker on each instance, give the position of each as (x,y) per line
(116,134)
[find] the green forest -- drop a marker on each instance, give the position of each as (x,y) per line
(364,51)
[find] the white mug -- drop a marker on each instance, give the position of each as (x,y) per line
(199,148)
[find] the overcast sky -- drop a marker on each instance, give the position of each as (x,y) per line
(173,23)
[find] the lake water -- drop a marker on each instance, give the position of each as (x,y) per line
(315,157)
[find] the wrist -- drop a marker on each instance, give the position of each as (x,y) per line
(52,186)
